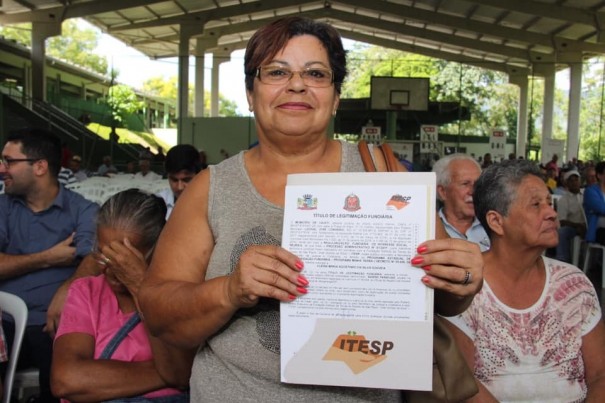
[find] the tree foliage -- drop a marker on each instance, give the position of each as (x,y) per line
(76,44)
(123,102)
(476,89)
(490,100)
(592,126)
(20,33)
(164,88)
(366,61)
(168,88)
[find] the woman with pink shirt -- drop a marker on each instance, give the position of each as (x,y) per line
(102,350)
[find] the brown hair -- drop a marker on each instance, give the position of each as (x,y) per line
(270,39)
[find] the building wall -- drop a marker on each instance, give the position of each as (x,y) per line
(212,135)
(231,134)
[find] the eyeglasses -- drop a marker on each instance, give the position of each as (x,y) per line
(7,162)
(312,77)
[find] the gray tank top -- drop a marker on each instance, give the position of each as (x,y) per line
(241,362)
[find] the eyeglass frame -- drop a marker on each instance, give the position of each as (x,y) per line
(300,74)
(6,162)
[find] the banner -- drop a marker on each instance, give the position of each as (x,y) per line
(429,139)
(371,134)
(497,145)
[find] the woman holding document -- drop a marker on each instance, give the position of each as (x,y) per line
(219,273)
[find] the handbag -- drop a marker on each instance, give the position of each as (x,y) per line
(111,347)
(453,381)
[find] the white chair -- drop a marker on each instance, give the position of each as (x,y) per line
(15,307)
(555,200)
(590,246)
(576,248)
(154,186)
(116,187)
(26,379)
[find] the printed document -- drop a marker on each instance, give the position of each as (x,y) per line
(367,319)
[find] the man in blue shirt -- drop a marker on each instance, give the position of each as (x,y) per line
(456,177)
(46,232)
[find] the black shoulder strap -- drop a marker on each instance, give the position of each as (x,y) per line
(115,341)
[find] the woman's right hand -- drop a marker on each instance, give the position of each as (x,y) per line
(126,263)
(266,271)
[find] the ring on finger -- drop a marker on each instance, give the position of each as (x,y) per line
(107,260)
(468,278)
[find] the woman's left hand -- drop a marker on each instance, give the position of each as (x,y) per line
(451,265)
(126,263)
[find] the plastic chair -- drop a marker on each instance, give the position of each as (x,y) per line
(114,188)
(555,201)
(92,193)
(153,186)
(25,379)
(590,247)
(576,249)
(15,307)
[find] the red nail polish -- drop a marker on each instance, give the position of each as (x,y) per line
(301,290)
(426,268)
(426,280)
(417,260)
(302,280)
(291,297)
(422,249)
(299,265)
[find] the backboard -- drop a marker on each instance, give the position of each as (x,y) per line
(399,93)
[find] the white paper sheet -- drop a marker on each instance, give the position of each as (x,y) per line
(367,319)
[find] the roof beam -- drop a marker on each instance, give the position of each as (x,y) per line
(214,32)
(383,25)
(563,13)
(452,57)
(439,54)
(393,44)
(213,14)
(62,13)
(433,36)
(23,4)
(462,23)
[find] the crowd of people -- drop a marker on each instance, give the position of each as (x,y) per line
(47,234)
(148,166)
(176,296)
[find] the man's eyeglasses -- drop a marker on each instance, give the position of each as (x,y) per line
(312,77)
(7,162)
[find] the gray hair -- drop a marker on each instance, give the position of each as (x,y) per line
(497,186)
(442,167)
(135,211)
